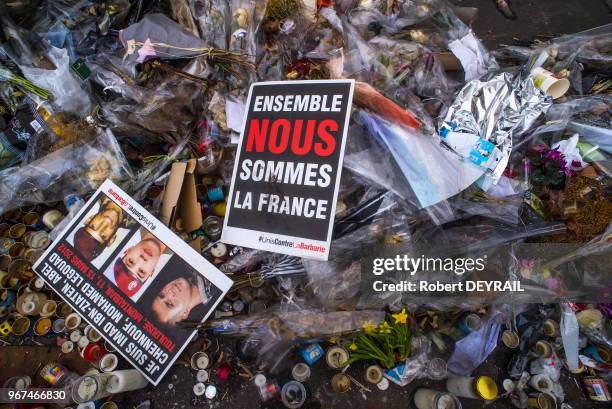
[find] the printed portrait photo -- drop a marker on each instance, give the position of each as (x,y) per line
(101,231)
(179,293)
(138,263)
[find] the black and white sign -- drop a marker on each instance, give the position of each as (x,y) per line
(287,171)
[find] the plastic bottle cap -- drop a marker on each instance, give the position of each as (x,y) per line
(383,385)
(486,387)
(199,389)
(211,391)
(202,375)
(260,380)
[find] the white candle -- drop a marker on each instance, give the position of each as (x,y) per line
(125,381)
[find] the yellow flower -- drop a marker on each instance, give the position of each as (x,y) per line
(353,346)
(385,328)
(401,317)
(369,328)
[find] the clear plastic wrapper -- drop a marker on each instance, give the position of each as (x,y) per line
(529,328)
(582,57)
(589,47)
(430,23)
(302,325)
(590,117)
(433,173)
(274,334)
(478,233)
(365,157)
(212,17)
(166,112)
(416,365)
(69,93)
(242,260)
(146,176)
(279,265)
(339,282)
(21,46)
(474,349)
(157,36)
(75,169)
(181,12)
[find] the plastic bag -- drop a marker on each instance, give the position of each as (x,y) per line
(529,328)
(582,57)
(147,175)
(67,90)
(212,17)
(182,13)
(474,349)
(165,113)
(433,173)
(302,325)
(76,169)
(338,283)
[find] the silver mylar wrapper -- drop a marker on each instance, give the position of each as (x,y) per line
(485,117)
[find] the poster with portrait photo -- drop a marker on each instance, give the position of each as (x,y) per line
(137,263)
(179,294)
(103,228)
(135,294)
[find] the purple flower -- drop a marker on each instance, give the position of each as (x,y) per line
(576,164)
(554,154)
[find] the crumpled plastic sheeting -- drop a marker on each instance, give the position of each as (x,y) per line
(415,367)
(272,335)
(168,110)
(583,51)
(65,87)
(306,324)
(156,35)
(432,172)
(212,18)
(337,283)
(78,169)
(472,350)
(485,117)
